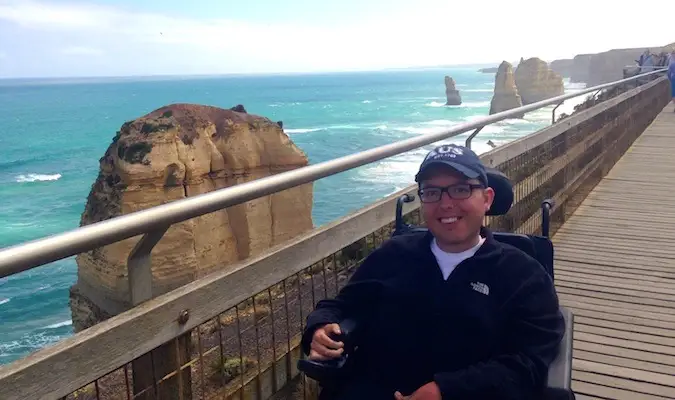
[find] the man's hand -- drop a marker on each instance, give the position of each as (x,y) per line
(323,347)
(430,391)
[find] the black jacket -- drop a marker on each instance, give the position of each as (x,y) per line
(489,332)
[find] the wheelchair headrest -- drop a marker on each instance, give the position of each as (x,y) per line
(503,188)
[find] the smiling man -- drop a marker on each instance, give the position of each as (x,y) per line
(447,314)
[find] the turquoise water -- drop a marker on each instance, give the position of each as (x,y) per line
(53,132)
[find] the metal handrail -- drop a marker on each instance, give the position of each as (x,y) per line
(155,220)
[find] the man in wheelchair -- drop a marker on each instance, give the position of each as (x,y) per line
(445,313)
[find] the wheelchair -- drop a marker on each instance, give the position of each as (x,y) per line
(330,373)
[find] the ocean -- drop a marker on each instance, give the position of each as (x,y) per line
(53,132)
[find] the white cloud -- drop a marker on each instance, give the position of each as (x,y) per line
(45,15)
(430,32)
(81,51)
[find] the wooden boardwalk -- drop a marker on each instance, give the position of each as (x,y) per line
(615,269)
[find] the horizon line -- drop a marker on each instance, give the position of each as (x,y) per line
(242,74)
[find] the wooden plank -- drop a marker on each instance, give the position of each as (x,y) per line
(655,331)
(584,397)
(574,284)
(628,318)
(645,273)
(612,309)
(625,343)
(623,352)
(592,230)
(617,304)
(648,286)
(619,284)
(609,244)
(608,392)
(619,334)
(629,373)
(593,292)
(626,384)
(587,256)
(562,250)
(625,362)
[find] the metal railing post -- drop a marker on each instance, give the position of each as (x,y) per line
(553,112)
(151,367)
(139,266)
(472,135)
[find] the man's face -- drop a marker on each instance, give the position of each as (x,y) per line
(455,223)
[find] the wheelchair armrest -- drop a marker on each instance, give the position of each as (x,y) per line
(328,371)
(559,384)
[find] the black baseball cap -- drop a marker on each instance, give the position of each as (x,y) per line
(460,158)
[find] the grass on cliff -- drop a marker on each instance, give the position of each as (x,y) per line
(135,153)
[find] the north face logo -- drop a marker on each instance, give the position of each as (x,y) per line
(480,287)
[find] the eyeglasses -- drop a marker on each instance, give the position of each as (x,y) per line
(459,191)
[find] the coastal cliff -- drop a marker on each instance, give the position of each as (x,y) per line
(536,81)
(608,66)
(603,67)
(506,94)
(179,151)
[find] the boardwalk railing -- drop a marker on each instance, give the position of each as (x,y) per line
(236,331)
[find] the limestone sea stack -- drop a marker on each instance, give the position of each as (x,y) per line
(179,151)
(452,94)
(506,94)
(536,81)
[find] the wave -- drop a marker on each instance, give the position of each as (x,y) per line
(4,301)
(303,130)
(295,103)
(475,104)
(366,102)
(510,121)
(575,85)
(59,324)
(442,122)
(37,178)
(477,90)
(440,125)
(325,128)
(468,104)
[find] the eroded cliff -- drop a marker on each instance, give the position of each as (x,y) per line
(452,95)
(180,151)
(506,94)
(536,81)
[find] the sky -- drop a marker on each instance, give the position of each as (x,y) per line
(74,38)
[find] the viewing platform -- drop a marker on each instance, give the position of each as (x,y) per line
(235,333)
(615,270)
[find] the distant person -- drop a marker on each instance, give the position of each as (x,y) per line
(640,61)
(671,75)
(647,63)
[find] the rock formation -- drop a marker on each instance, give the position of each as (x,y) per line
(451,94)
(580,68)
(506,94)
(536,81)
(181,151)
(564,67)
